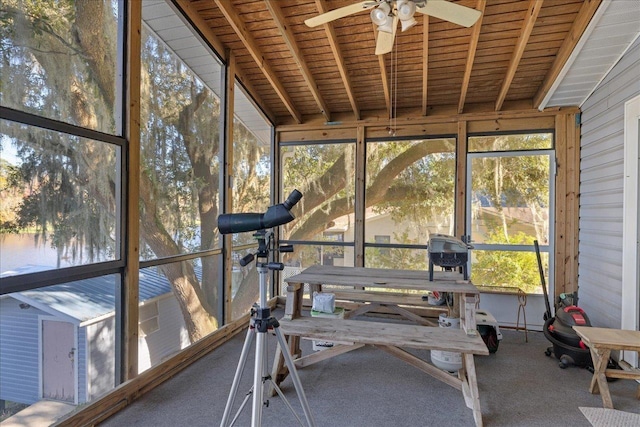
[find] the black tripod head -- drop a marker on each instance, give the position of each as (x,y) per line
(265,246)
(275,215)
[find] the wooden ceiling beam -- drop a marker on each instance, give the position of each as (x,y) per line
(207,33)
(425,62)
(473,44)
(588,9)
(290,41)
(337,54)
(523,39)
(198,22)
(233,18)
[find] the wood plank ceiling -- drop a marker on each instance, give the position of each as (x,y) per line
(506,61)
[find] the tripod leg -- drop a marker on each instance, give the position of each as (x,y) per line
(258,374)
(277,390)
(294,376)
(236,378)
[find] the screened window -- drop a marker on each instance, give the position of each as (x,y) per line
(60,60)
(177,308)
(250,192)
(325,175)
(510,194)
(410,190)
(60,199)
(180,181)
(180,149)
(61,168)
(324,224)
(251,174)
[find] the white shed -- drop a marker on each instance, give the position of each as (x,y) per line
(58,342)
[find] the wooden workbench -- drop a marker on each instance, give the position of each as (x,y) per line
(601,341)
(386,336)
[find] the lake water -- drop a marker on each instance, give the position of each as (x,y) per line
(19,250)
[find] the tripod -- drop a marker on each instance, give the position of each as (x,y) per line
(261,322)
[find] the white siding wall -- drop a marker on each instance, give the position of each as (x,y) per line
(100,370)
(601,181)
(19,357)
(170,338)
(81,360)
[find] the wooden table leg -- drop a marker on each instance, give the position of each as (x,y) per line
(279,371)
(293,305)
(470,388)
(599,380)
(292,310)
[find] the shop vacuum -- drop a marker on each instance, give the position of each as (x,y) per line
(567,346)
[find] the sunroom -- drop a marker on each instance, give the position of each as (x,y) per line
(130,127)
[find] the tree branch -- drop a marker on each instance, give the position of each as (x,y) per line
(379,190)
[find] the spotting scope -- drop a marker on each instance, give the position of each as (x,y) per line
(275,215)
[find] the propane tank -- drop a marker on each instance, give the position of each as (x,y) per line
(447,360)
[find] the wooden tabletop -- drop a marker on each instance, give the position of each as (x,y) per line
(384,278)
(618,339)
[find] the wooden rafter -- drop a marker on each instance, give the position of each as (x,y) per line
(199,22)
(218,46)
(246,82)
(425,62)
(291,43)
(233,18)
(447,50)
(337,54)
(471,55)
(523,39)
(581,22)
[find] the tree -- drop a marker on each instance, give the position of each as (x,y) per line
(11,193)
(59,60)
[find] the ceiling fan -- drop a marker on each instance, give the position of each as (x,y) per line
(386,14)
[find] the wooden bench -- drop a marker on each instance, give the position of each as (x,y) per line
(390,337)
(407,305)
(601,341)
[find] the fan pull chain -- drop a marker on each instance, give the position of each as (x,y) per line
(395,99)
(393,107)
(393,95)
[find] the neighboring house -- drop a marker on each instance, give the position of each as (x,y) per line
(58,342)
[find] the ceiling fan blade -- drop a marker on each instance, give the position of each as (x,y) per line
(451,12)
(384,44)
(341,12)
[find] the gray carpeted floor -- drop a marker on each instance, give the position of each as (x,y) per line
(519,386)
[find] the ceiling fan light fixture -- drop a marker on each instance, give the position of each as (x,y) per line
(406,9)
(387,27)
(408,23)
(380,15)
